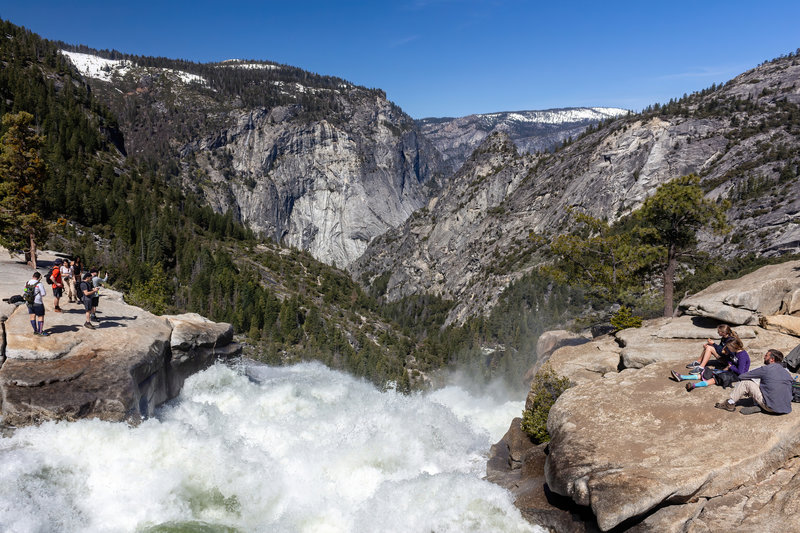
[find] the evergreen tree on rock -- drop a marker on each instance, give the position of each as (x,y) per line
(22,172)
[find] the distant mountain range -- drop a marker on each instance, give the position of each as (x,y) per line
(531,131)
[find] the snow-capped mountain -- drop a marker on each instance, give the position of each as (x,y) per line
(531,131)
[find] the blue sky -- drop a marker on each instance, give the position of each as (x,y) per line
(451,57)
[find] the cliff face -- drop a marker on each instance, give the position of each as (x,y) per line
(312,161)
(531,131)
(743,139)
(319,186)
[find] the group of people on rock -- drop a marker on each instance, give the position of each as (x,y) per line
(726,363)
(81,286)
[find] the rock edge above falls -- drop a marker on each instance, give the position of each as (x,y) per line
(632,450)
(121,371)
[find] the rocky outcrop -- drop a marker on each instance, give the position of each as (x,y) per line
(632,450)
(629,444)
(771,290)
(122,370)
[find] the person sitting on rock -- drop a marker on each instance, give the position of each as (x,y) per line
(736,361)
(713,350)
(773,392)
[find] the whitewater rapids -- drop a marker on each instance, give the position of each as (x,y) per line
(259,448)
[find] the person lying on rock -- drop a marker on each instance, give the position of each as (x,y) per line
(772,393)
(712,349)
(736,361)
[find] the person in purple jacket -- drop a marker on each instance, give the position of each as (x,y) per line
(736,362)
(773,392)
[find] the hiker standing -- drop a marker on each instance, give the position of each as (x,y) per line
(87,292)
(68,279)
(77,269)
(773,393)
(34,294)
(58,284)
(97,282)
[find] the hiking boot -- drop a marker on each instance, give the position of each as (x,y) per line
(44,334)
(751,410)
(726,406)
(692,365)
(94,317)
(676,376)
(58,310)
(88,325)
(696,370)
(689,387)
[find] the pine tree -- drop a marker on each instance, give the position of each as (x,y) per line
(22,172)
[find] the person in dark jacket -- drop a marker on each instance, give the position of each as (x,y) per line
(88,292)
(773,392)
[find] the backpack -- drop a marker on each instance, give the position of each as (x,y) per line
(796,391)
(79,290)
(48,279)
(29,294)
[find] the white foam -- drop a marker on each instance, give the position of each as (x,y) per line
(299,448)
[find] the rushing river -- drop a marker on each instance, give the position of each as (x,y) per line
(261,448)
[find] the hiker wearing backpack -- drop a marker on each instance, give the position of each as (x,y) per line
(58,284)
(97,282)
(85,292)
(33,294)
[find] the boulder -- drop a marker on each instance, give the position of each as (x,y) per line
(632,442)
(770,290)
(527,484)
(587,362)
(132,362)
(548,342)
(783,323)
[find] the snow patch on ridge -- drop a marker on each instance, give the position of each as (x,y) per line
(99,68)
(556,116)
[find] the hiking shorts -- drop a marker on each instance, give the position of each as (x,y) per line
(36,309)
(87,303)
(95,301)
(58,292)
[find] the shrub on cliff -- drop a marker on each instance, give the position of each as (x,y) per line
(624,318)
(547,386)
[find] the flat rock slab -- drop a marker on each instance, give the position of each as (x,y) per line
(770,290)
(588,361)
(634,441)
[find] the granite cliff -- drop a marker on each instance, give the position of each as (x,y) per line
(473,239)
(312,161)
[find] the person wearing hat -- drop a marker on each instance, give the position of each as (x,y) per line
(58,284)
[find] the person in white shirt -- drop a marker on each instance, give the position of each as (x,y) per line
(68,277)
